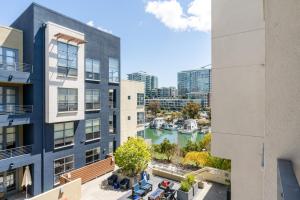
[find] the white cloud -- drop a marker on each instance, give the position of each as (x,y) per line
(92,24)
(171,14)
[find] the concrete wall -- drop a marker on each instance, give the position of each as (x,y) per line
(255,91)
(12,38)
(129,108)
(53,81)
(238,92)
(71,190)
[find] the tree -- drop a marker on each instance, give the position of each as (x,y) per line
(166,148)
(154,107)
(133,156)
(198,158)
(191,110)
(205,143)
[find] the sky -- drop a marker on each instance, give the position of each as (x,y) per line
(161,37)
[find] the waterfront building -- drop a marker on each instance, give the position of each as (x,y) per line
(132,109)
(255,96)
(60,111)
(174,104)
(151,82)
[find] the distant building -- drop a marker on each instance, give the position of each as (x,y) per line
(132,109)
(174,104)
(164,92)
(151,82)
(194,84)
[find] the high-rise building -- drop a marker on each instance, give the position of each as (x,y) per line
(151,82)
(60,111)
(255,96)
(132,109)
(164,92)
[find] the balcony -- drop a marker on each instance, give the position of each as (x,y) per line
(15,72)
(11,115)
(14,152)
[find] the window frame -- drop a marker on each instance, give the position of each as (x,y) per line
(113,69)
(64,71)
(140,101)
(64,132)
(94,104)
(95,151)
(66,100)
(93,73)
(140,121)
(57,175)
(93,127)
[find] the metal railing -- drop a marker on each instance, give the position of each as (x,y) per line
(16,66)
(15,109)
(18,151)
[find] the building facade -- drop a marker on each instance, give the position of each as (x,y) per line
(255,98)
(173,104)
(62,113)
(132,109)
(151,82)
(164,92)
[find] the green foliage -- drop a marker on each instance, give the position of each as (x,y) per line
(218,163)
(185,186)
(133,156)
(166,148)
(191,179)
(191,110)
(204,143)
(154,107)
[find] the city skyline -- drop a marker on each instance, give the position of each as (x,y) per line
(148,38)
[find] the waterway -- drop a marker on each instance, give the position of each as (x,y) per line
(157,136)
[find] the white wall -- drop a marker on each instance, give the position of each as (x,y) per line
(52,81)
(129,128)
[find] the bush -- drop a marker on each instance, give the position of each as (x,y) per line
(185,186)
(191,179)
(166,148)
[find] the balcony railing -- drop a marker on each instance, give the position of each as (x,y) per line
(15,109)
(18,151)
(15,66)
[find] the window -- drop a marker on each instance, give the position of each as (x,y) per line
(92,155)
(66,59)
(92,69)
(140,99)
(92,99)
(67,99)
(129,118)
(140,118)
(111,124)
(110,147)
(111,98)
(114,69)
(9,141)
(63,134)
(8,59)
(92,129)
(141,133)
(62,166)
(129,97)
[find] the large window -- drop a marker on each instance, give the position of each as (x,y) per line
(140,118)
(8,59)
(62,166)
(92,155)
(92,69)
(141,133)
(63,134)
(92,99)
(114,69)
(92,129)
(8,137)
(140,99)
(112,123)
(67,99)
(66,59)
(110,147)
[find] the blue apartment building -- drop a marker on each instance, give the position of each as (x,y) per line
(60,110)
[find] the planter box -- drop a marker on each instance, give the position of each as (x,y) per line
(200,184)
(181,195)
(195,189)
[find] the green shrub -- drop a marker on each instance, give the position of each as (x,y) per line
(191,179)
(185,186)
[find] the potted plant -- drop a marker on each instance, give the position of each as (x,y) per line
(185,191)
(191,180)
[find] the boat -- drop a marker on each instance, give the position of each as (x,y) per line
(157,123)
(147,125)
(170,127)
(189,126)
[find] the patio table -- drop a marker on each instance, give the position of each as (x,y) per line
(156,195)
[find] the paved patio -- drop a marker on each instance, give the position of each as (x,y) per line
(93,190)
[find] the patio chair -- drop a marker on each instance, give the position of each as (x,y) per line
(169,194)
(112,179)
(124,184)
(136,190)
(145,185)
(165,185)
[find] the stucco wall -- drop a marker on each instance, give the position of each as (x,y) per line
(129,107)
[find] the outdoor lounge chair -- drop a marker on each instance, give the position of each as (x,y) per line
(124,184)
(145,185)
(136,190)
(112,179)
(169,194)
